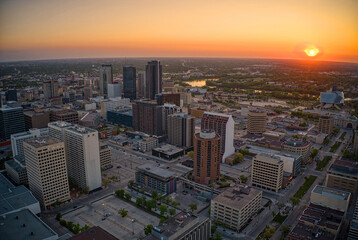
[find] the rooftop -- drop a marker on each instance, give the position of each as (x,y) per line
(24,225)
(259,150)
(334,97)
(60,124)
(331,192)
(94,233)
(237,197)
(345,166)
(293,142)
(42,141)
(182,115)
(303,231)
(168,149)
(80,129)
(217,114)
(156,171)
(15,165)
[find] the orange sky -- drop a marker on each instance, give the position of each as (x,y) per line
(40,29)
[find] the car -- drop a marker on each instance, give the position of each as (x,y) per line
(118,166)
(103,218)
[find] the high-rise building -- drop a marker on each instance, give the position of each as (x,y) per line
(83,159)
(64,115)
(37,118)
(267,172)
(235,206)
(17,140)
(105,156)
(11,121)
(57,129)
(168,109)
(46,170)
(207,156)
(171,98)
(129,82)
(353,230)
(50,88)
(87,92)
(223,125)
(114,90)
(181,128)
(147,117)
(141,84)
(11,95)
(113,103)
(355,142)
(153,78)
(325,124)
(105,78)
(256,121)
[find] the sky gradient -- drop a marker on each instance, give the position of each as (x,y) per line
(49,29)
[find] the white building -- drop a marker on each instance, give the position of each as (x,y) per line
(83,157)
(114,90)
(113,103)
(18,139)
(57,129)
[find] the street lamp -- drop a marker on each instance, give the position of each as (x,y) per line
(133,220)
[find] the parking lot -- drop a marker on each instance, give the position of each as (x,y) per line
(104,213)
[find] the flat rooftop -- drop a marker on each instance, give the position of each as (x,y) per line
(168,149)
(16,166)
(237,197)
(60,124)
(156,171)
(269,151)
(331,192)
(303,231)
(94,233)
(42,141)
(20,225)
(345,166)
(297,142)
(80,129)
(217,114)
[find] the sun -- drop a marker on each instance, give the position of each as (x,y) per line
(311,52)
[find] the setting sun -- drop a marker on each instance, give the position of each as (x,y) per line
(311,52)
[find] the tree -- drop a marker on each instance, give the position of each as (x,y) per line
(172,211)
(273,213)
(191,154)
(120,193)
(162,209)
(150,204)
(106,182)
(314,153)
(174,204)
(154,194)
(243,178)
(239,157)
(148,229)
(285,230)
(127,196)
(268,233)
(217,236)
(295,201)
(213,228)
(123,212)
(139,201)
(130,183)
(193,207)
(58,216)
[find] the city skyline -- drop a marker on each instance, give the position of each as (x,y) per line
(229,29)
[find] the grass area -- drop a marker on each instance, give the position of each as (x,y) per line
(323,163)
(279,218)
(343,135)
(335,146)
(305,186)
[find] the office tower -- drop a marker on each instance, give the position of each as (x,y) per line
(105,156)
(171,98)
(113,103)
(141,84)
(153,78)
(83,159)
(57,129)
(300,147)
(155,178)
(235,206)
(64,115)
(11,95)
(17,140)
(343,175)
(223,125)
(11,121)
(267,172)
(87,92)
(47,170)
(37,118)
(181,128)
(105,78)
(325,124)
(129,82)
(256,121)
(114,90)
(355,142)
(147,117)
(50,88)
(168,109)
(353,230)
(207,156)
(185,98)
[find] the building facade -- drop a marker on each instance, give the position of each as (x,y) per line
(300,147)
(114,90)
(105,77)
(223,125)
(256,121)
(11,121)
(105,156)
(148,117)
(181,128)
(129,82)
(153,79)
(207,156)
(47,170)
(325,124)
(267,172)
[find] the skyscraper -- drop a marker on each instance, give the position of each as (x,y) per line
(129,82)
(223,125)
(181,128)
(147,117)
(50,88)
(46,170)
(168,109)
(207,156)
(105,77)
(114,90)
(153,78)
(141,84)
(11,121)
(256,121)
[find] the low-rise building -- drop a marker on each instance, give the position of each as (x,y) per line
(300,147)
(168,152)
(325,124)
(235,206)
(330,197)
(94,233)
(122,115)
(155,178)
(304,232)
(16,170)
(147,144)
(90,119)
(182,226)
